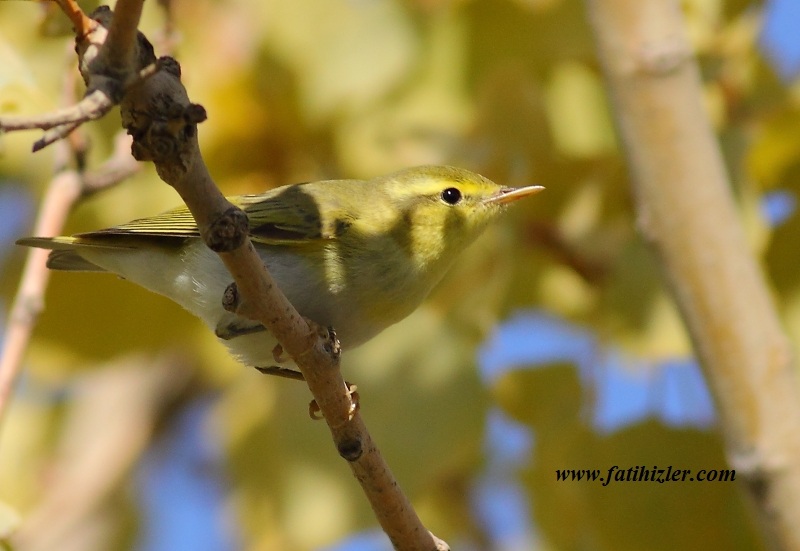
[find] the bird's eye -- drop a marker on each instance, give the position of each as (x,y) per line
(451,196)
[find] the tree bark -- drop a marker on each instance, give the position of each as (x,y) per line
(685,209)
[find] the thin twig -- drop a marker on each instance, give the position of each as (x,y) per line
(66,188)
(60,123)
(120,166)
(80,22)
(103,91)
(121,44)
(93,106)
(168,39)
(53,135)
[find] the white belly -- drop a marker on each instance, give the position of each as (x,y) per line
(196,279)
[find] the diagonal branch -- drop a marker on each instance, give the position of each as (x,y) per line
(157,113)
(162,121)
(66,188)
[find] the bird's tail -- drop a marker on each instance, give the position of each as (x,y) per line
(65,253)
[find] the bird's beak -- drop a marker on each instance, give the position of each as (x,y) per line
(511,194)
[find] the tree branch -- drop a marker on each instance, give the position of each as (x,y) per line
(116,413)
(687,212)
(163,123)
(81,23)
(63,191)
(66,188)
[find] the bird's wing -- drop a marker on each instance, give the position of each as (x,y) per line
(283,216)
(287,216)
(177,222)
(291,216)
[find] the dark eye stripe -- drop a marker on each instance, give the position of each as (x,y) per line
(451,196)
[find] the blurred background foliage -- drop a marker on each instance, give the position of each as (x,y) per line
(478,397)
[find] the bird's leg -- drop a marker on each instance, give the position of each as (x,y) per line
(284,372)
(237,328)
(332,346)
(278,356)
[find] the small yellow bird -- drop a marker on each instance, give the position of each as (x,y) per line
(356,255)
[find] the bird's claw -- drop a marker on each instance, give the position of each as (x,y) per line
(314,410)
(277,354)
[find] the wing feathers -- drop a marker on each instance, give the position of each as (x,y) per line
(289,215)
(173,223)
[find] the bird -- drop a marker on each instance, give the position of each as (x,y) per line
(355,255)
